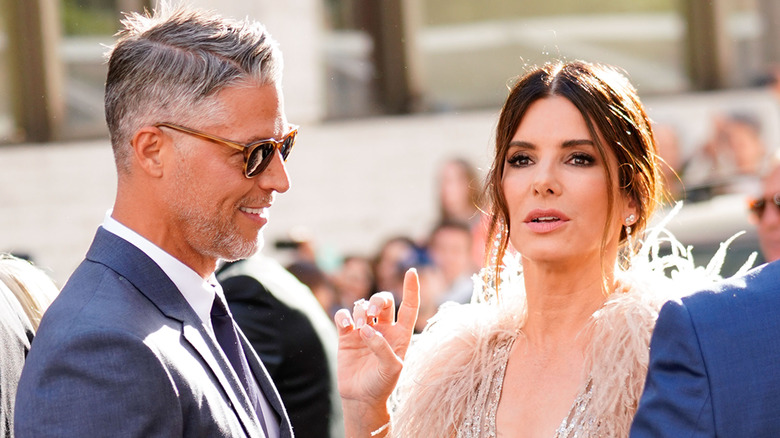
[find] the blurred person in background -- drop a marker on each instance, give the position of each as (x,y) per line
(731,158)
(354,280)
(394,258)
(34,289)
(449,247)
(668,142)
(765,211)
(16,335)
(278,311)
(458,190)
(299,245)
(459,200)
(25,293)
(432,291)
(318,282)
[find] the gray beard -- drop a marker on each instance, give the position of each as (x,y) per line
(212,237)
(207,233)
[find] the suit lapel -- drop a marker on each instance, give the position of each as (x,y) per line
(149,279)
(219,364)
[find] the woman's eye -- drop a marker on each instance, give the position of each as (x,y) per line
(581,159)
(519,160)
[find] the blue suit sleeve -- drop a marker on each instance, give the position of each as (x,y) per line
(100,384)
(676,401)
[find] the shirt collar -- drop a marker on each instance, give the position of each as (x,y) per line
(197,291)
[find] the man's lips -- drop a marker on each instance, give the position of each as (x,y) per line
(259,215)
(253,210)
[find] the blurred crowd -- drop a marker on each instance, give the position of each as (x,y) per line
(446,258)
(733,158)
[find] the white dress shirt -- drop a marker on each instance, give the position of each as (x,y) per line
(197,291)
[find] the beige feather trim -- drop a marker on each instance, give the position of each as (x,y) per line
(444,371)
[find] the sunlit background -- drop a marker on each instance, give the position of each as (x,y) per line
(386,91)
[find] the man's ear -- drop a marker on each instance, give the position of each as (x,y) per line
(148,143)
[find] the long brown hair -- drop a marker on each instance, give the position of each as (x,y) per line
(612,110)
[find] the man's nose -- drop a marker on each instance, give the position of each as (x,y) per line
(275,176)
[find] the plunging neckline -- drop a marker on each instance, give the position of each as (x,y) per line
(569,427)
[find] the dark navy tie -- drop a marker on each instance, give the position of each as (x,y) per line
(226,335)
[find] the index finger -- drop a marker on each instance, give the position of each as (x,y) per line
(410,305)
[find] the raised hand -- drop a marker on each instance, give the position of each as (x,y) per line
(372,345)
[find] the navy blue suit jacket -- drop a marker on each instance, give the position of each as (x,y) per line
(121,353)
(715,362)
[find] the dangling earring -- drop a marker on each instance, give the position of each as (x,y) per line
(630,220)
(497,238)
(492,272)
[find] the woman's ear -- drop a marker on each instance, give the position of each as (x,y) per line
(630,214)
(148,143)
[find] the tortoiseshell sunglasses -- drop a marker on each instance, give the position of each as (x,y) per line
(257,155)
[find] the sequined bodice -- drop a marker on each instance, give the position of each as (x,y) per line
(481,421)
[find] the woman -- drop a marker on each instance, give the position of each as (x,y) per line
(459,201)
(560,349)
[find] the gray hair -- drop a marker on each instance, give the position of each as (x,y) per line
(168,67)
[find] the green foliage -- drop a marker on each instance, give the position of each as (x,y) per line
(441,12)
(88,18)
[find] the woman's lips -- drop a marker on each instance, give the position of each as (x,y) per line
(545,221)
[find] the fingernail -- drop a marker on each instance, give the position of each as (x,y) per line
(360,322)
(413,270)
(345,322)
(372,310)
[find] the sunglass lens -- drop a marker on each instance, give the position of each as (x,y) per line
(757,207)
(287,146)
(258,159)
(263,153)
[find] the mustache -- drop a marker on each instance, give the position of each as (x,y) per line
(255,201)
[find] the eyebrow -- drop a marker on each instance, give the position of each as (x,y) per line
(566,144)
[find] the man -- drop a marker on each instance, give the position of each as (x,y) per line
(139,343)
(714,363)
(765,211)
(293,336)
